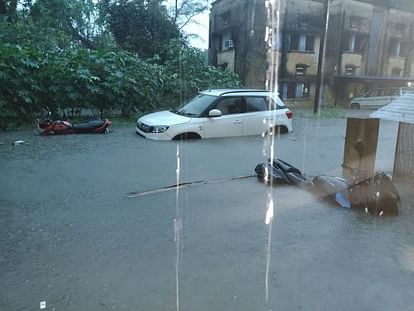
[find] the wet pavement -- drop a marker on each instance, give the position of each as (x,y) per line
(72,238)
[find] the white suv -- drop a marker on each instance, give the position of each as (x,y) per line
(219,113)
(376,98)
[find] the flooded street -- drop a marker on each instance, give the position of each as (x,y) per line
(71,236)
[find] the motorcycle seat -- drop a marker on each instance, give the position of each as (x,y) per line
(286,167)
(88,125)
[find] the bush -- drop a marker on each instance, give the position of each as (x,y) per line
(63,76)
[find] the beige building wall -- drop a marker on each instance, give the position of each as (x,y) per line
(352,59)
(309,59)
(359,9)
(301,6)
(397,16)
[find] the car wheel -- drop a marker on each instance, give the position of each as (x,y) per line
(187,136)
(355,106)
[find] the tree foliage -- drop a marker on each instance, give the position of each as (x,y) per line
(8,9)
(140,26)
(77,18)
(186,72)
(43,64)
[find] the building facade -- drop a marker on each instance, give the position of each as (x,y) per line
(373,48)
(236,30)
(368,44)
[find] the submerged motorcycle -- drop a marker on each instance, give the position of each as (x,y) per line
(376,195)
(48,127)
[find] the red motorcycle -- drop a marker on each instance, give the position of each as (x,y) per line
(49,127)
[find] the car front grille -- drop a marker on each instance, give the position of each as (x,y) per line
(143,127)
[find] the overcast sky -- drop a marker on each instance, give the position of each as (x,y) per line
(201,29)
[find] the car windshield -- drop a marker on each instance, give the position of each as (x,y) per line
(195,106)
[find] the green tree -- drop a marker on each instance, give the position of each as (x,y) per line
(8,8)
(77,18)
(43,64)
(186,73)
(140,26)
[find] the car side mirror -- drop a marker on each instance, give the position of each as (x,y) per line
(214,113)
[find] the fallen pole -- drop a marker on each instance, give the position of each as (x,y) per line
(185,185)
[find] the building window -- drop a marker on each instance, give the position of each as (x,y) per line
(359,43)
(301,69)
(228,44)
(398,48)
(294,90)
(395,47)
(226,41)
(356,43)
(300,42)
(350,70)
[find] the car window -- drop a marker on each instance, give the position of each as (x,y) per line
(372,93)
(385,92)
(196,106)
(391,92)
(231,105)
(368,94)
(394,92)
(256,104)
(407,91)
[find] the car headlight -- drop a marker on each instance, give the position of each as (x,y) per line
(158,128)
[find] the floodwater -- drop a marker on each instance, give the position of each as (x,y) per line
(72,239)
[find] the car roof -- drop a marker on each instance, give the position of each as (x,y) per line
(389,88)
(221,92)
(243,92)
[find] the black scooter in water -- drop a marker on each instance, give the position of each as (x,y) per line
(376,195)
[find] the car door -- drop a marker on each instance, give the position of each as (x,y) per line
(384,97)
(230,123)
(258,117)
(371,99)
(395,93)
(256,112)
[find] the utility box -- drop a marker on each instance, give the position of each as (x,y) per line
(360,147)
